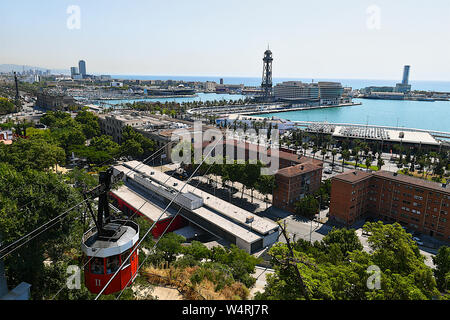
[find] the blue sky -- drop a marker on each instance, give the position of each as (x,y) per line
(309,39)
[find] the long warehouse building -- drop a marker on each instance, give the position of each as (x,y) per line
(214,215)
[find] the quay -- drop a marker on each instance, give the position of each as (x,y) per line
(289,109)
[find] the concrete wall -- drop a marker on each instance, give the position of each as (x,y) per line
(243,244)
(271,239)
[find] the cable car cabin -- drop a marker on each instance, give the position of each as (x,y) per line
(108,250)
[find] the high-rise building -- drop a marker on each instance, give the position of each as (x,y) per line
(82,67)
(73,71)
(405,75)
(404,87)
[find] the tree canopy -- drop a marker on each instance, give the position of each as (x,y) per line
(338,268)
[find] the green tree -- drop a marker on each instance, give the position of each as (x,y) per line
(105,143)
(323,152)
(368,162)
(380,162)
(307,207)
(346,239)
(345,157)
(336,268)
(33,153)
(89,123)
(135,144)
(170,246)
(6,106)
(242,264)
(30,198)
(442,269)
(197,250)
(333,154)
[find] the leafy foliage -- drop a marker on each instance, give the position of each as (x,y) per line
(6,106)
(442,271)
(337,267)
(28,199)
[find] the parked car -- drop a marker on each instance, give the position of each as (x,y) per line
(418,241)
(328,171)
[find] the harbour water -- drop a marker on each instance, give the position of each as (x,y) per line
(395,113)
(198,97)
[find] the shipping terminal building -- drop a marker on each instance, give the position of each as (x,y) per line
(148,191)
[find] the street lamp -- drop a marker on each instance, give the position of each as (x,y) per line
(310,230)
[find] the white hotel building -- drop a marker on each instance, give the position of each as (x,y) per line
(323,93)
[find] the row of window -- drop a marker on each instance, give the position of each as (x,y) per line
(97,265)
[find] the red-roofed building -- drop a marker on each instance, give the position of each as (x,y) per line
(295,182)
(415,203)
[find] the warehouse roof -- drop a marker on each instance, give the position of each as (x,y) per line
(235,213)
(140,203)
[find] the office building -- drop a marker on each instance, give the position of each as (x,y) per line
(73,71)
(82,68)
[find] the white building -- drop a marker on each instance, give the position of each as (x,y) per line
(116,84)
(296,90)
(210,86)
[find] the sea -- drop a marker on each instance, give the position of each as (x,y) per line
(395,113)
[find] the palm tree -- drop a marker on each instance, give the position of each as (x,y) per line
(323,152)
(380,162)
(345,157)
(333,154)
(305,147)
(368,162)
(356,159)
(315,149)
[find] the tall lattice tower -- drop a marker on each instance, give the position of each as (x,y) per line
(266,84)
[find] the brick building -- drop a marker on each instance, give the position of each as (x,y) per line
(415,203)
(295,182)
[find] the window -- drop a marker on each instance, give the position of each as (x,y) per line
(112,264)
(123,256)
(97,266)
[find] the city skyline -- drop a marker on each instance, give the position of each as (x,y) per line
(367,40)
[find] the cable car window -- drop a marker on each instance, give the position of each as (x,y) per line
(124,256)
(112,264)
(97,266)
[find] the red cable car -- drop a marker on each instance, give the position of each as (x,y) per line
(108,251)
(109,243)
